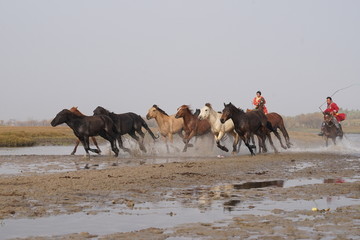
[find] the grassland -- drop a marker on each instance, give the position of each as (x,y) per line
(31,136)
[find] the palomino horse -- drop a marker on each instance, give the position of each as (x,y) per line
(329,129)
(88,126)
(246,124)
(127,123)
(168,125)
(192,125)
(218,129)
(77,112)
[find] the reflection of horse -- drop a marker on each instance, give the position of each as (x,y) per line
(329,129)
(88,126)
(217,128)
(127,123)
(246,124)
(277,122)
(192,125)
(168,125)
(77,112)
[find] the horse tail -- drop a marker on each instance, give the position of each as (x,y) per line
(144,124)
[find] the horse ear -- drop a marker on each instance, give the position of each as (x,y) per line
(224,105)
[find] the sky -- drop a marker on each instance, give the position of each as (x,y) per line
(128,55)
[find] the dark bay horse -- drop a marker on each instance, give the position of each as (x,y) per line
(88,126)
(193,126)
(329,129)
(277,122)
(127,123)
(246,124)
(77,112)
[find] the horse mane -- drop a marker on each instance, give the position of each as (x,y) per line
(208,105)
(233,106)
(76,111)
(188,107)
(160,110)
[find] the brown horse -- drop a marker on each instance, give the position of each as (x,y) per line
(80,114)
(329,129)
(247,124)
(192,125)
(277,122)
(168,125)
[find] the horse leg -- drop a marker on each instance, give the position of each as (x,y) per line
(218,137)
(140,141)
(236,141)
(286,136)
(121,145)
(112,139)
(271,142)
(75,148)
(250,147)
(278,137)
(96,144)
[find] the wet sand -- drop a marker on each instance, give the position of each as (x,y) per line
(104,184)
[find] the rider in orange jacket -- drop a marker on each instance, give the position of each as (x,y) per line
(259,100)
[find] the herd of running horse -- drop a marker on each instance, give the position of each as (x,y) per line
(233,121)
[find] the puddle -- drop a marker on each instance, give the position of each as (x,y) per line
(162,215)
(165,214)
(201,204)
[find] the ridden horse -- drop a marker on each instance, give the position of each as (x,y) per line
(247,124)
(77,112)
(329,129)
(168,125)
(127,123)
(218,129)
(88,126)
(192,125)
(277,122)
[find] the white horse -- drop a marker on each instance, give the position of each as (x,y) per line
(217,128)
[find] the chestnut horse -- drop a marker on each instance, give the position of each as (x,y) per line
(192,125)
(277,122)
(88,126)
(77,112)
(246,124)
(168,125)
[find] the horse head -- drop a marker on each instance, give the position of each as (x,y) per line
(61,117)
(154,111)
(101,111)
(226,112)
(182,111)
(327,118)
(205,111)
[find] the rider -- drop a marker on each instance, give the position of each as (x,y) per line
(333,109)
(259,100)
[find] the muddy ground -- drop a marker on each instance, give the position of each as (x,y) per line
(196,182)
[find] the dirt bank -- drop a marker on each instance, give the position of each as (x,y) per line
(38,195)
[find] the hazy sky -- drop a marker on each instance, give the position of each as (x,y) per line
(129,55)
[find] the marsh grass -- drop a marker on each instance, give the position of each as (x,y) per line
(30,136)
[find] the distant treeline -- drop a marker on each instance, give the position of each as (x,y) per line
(314,120)
(302,121)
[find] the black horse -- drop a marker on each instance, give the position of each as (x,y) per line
(127,123)
(330,130)
(246,124)
(88,126)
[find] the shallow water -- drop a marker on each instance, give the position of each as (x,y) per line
(164,214)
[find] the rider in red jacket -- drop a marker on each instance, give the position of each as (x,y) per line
(333,109)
